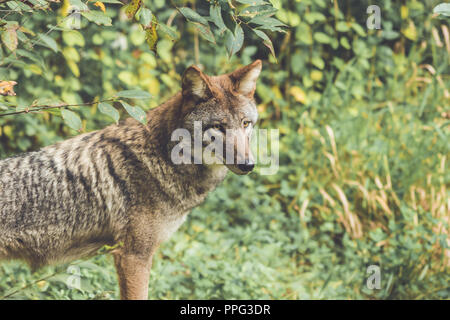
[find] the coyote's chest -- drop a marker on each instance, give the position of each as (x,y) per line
(169,226)
(190,194)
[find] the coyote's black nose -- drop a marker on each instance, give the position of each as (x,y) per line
(247,166)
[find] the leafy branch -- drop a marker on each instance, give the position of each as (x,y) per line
(37,108)
(74,121)
(224,20)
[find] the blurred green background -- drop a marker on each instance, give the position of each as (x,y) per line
(363,117)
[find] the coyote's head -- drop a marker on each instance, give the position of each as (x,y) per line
(220,112)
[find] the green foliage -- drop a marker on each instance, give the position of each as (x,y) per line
(60,35)
(363,119)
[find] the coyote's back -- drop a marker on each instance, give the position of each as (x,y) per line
(67,200)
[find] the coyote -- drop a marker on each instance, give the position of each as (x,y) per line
(119,185)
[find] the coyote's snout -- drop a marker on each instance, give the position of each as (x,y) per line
(124,184)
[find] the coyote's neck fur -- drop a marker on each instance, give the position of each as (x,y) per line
(186,184)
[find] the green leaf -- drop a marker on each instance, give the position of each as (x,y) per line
(48,42)
(313,17)
(442,8)
(168,31)
(145,17)
(193,16)
(97,17)
(205,32)
(26,30)
(134,94)
(31,56)
(128,77)
(359,30)
(21,106)
(110,1)
(71,119)
(342,26)
(136,36)
(390,34)
(22,36)
(109,110)
(78,4)
(322,37)
(151,36)
(73,38)
(39,3)
(252,2)
(344,42)
(234,41)
(136,112)
(267,21)
(70,53)
(318,62)
(132,7)
(18,6)
(258,11)
(266,41)
(9,38)
(215,13)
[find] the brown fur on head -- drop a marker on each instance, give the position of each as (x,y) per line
(225,106)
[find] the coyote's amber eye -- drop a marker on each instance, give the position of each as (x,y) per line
(246,123)
(216,126)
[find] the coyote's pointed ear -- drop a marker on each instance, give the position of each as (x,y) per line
(195,84)
(245,78)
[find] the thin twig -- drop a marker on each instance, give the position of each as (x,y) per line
(46,107)
(107,251)
(171,18)
(29,285)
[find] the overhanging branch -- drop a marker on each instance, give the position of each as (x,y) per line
(32,109)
